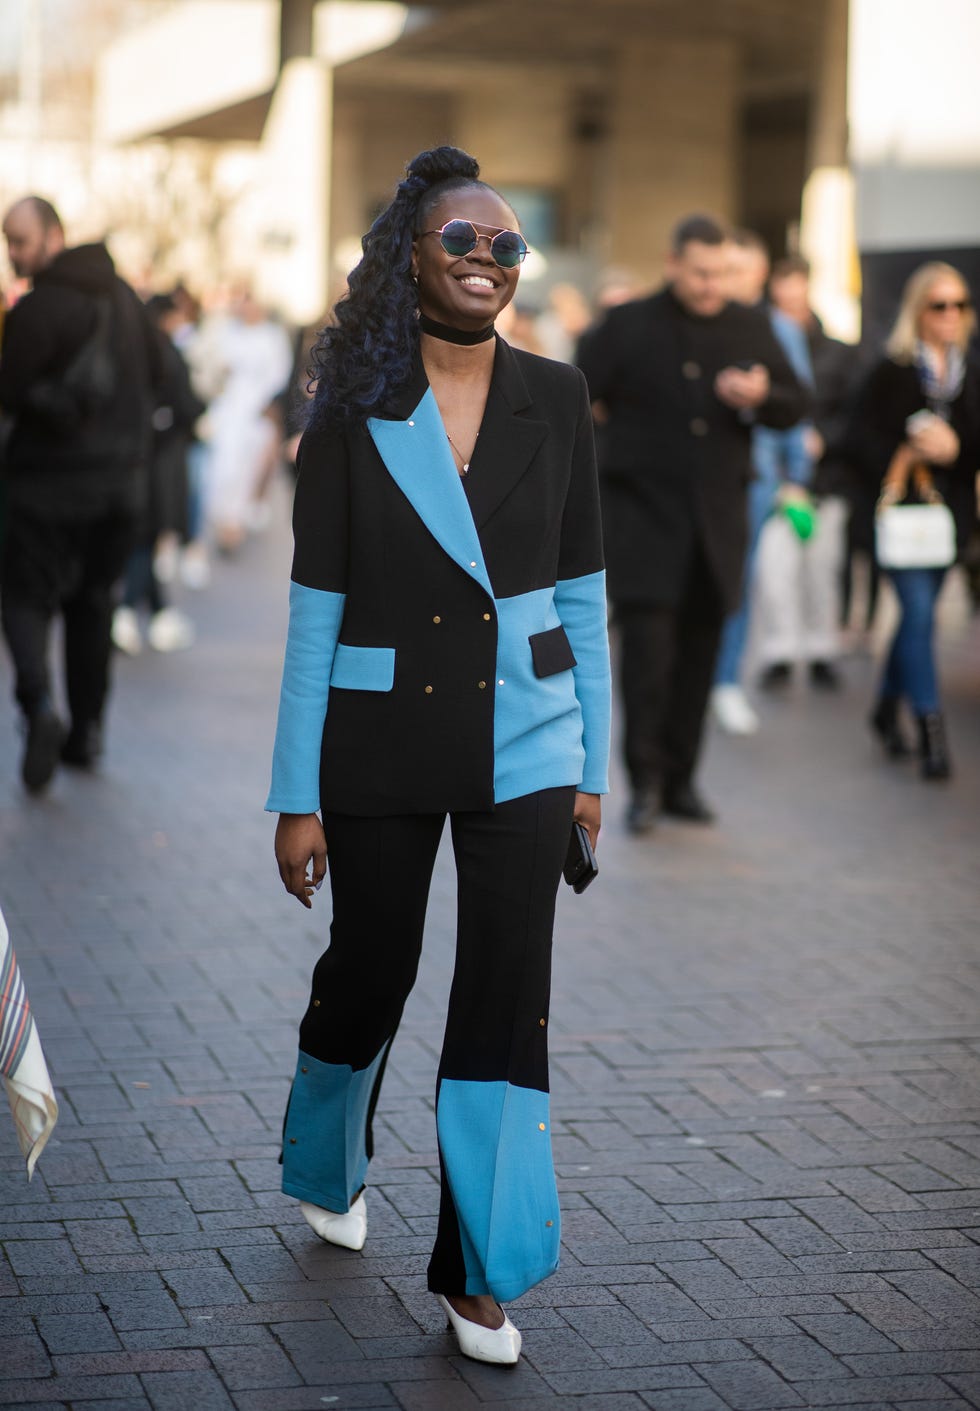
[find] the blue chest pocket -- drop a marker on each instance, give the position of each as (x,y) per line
(363,668)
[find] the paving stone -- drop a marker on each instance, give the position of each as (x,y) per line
(768,1134)
(186,1391)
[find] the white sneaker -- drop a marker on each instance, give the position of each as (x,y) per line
(258,516)
(166,558)
(732,711)
(126,631)
(347,1229)
(169,631)
(195,569)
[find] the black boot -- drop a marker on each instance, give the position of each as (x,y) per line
(45,734)
(644,806)
(885,723)
(932,746)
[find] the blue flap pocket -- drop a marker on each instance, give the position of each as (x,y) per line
(551,652)
(363,668)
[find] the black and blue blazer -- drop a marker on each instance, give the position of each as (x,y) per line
(447,641)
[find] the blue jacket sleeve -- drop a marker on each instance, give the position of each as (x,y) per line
(580,600)
(317,593)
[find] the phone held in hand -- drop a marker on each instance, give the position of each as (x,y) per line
(580,867)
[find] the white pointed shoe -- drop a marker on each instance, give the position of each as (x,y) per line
(500,1345)
(733,712)
(349,1229)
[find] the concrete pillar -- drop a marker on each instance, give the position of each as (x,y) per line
(672,144)
(291,200)
(827,234)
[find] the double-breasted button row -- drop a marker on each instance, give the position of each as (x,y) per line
(487,617)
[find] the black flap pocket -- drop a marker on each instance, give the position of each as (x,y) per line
(551,652)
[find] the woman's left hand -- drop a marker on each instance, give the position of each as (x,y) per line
(588,810)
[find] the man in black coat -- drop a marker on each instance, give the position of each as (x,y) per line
(77,364)
(678,380)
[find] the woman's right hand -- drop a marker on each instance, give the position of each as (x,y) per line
(300,841)
(935,441)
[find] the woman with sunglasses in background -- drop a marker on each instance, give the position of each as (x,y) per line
(446,655)
(920,406)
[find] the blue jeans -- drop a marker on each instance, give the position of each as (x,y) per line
(761,497)
(910,670)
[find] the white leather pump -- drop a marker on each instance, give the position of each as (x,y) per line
(349,1229)
(500,1345)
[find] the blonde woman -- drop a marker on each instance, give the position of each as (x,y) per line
(924,396)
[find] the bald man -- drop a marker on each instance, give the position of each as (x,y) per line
(76,371)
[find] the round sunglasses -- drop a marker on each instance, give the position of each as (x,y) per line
(461,237)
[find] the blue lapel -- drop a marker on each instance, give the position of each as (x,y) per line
(421,464)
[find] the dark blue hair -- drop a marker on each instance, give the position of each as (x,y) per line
(366,355)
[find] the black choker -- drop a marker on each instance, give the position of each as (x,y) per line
(448,334)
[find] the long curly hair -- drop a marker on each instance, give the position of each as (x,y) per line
(366,354)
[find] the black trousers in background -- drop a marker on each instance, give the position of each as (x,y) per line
(71,566)
(667,662)
(498,1228)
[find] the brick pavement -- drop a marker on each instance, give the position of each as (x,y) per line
(766,1082)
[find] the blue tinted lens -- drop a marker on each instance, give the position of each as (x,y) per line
(458,237)
(508,248)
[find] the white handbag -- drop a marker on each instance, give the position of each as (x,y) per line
(917,535)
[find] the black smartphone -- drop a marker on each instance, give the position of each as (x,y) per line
(580,867)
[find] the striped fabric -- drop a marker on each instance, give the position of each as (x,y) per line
(16,1022)
(23,1070)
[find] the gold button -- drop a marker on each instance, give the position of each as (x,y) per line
(699,427)
(549,1223)
(306,1070)
(292,1141)
(437,619)
(482,685)
(316,1004)
(542,1127)
(486,617)
(691,370)
(428,690)
(540,1021)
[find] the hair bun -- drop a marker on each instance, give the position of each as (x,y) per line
(441,163)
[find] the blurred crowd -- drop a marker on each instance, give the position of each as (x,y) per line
(142,433)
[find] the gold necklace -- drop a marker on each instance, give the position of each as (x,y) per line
(463,461)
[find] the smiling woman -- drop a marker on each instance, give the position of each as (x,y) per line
(446,655)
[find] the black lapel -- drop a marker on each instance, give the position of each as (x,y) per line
(508,440)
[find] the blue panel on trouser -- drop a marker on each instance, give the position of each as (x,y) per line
(323,1156)
(495,1140)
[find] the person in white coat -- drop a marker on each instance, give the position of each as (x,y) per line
(258,358)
